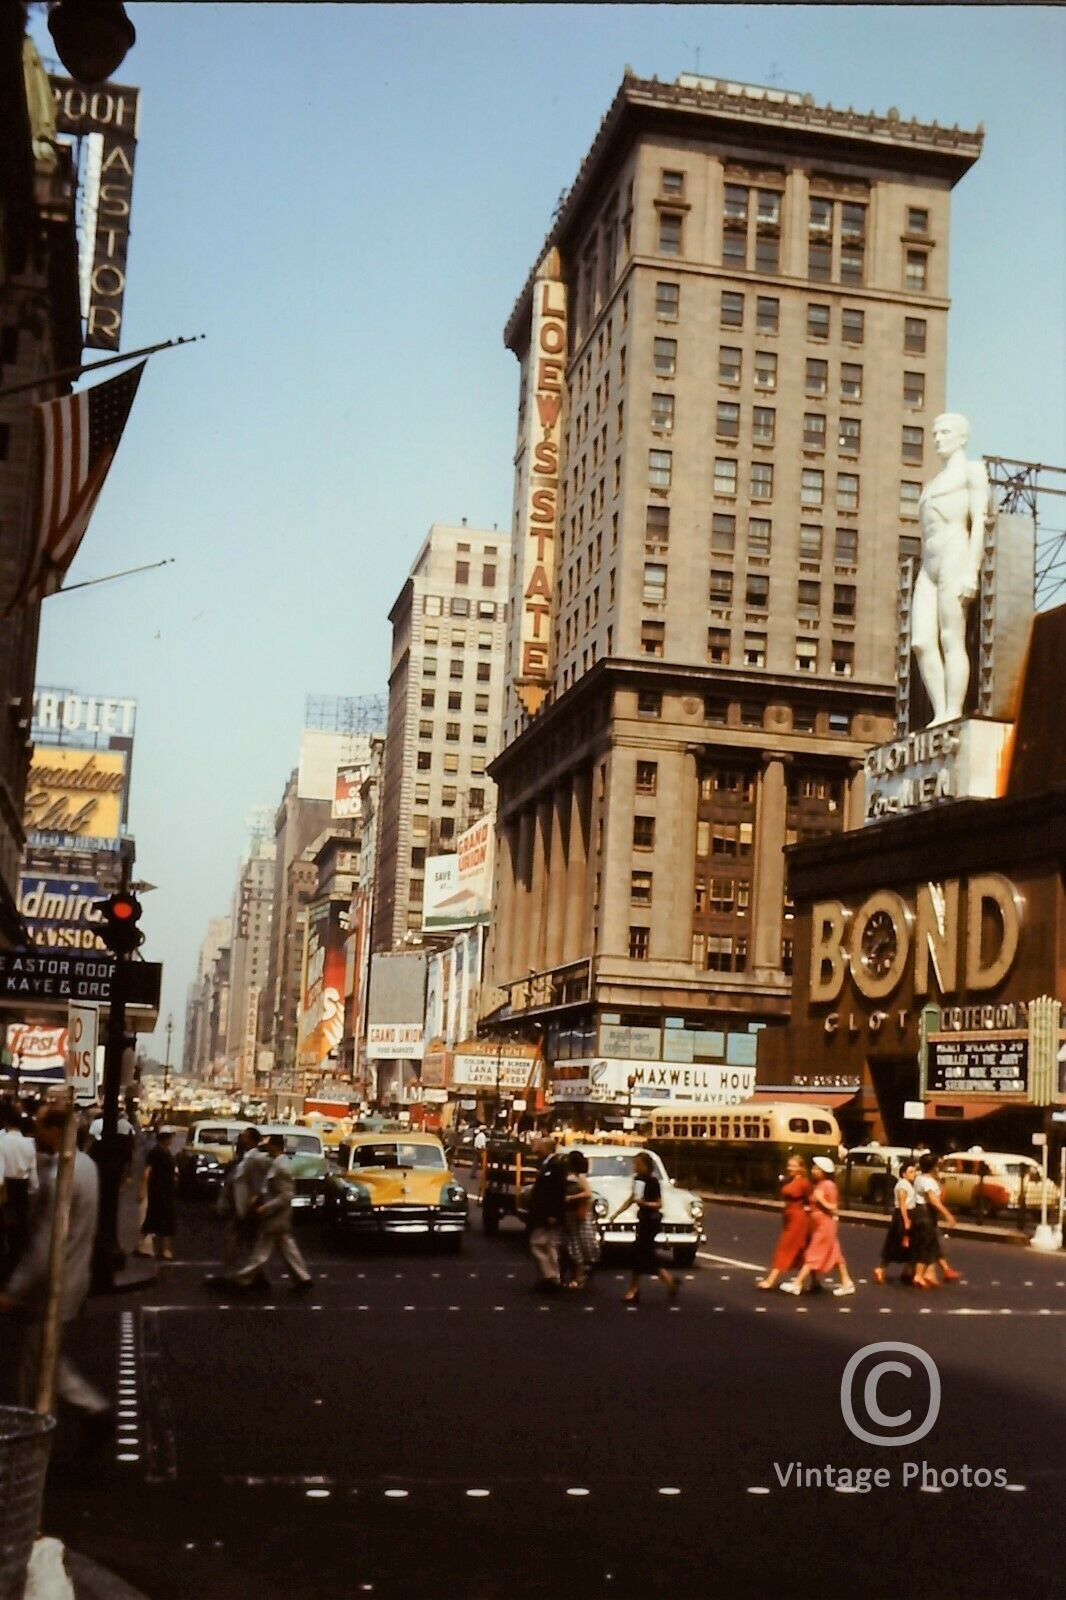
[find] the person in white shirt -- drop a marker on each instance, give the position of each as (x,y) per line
(928,1205)
(18,1179)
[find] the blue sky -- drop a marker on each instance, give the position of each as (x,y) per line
(346,200)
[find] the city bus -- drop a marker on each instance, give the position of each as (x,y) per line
(741,1147)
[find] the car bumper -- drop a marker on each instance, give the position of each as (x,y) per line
(417,1220)
(673,1235)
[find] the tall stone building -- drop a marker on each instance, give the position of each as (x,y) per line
(731,352)
(445,700)
(251,922)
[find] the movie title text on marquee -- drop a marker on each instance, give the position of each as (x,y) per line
(538,524)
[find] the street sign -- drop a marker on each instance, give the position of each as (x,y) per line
(82,1030)
(43,981)
(914,1110)
(1040,1139)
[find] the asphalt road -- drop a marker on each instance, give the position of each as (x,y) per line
(423,1426)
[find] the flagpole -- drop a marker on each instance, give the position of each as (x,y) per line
(95,366)
(128,572)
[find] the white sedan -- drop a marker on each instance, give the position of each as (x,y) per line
(610,1178)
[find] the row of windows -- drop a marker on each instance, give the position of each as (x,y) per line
(717,713)
(757,594)
(455,700)
(768,317)
(456,668)
(458,637)
(479,734)
(485,610)
(761,488)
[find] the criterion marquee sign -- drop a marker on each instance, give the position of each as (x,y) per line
(539,507)
(974,1063)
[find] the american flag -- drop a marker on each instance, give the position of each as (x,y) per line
(76,437)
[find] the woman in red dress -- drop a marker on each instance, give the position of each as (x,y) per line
(795,1223)
(823,1251)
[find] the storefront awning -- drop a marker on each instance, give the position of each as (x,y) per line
(831,1099)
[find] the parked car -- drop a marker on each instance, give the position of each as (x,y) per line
(309,1161)
(207,1152)
(987,1182)
(392,1184)
(869,1172)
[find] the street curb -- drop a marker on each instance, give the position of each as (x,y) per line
(92,1582)
(873,1219)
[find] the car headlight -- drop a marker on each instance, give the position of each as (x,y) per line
(451,1194)
(356,1194)
(208,1163)
(695,1208)
(600,1207)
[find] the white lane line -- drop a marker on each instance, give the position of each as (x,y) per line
(730,1261)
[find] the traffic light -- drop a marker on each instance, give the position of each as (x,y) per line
(120,914)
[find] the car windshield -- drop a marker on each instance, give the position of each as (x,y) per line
(217,1136)
(618,1166)
(302,1144)
(397,1155)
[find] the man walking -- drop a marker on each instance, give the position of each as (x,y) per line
(243,1184)
(27,1287)
(273,1213)
(547,1212)
(18,1180)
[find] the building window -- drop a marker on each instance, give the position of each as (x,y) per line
(909,495)
(721,586)
(842,666)
(488,577)
(458,640)
(914,389)
(912,446)
(421,794)
(657,524)
(914,335)
(850,381)
(431,606)
(852,326)
(662,412)
(652,637)
(812,487)
(462,572)
(814,431)
(765,370)
(640,888)
(762,480)
(643,833)
(715,712)
(664,352)
(671,182)
(755,649)
(810,541)
(428,699)
(455,668)
(667,301)
(654,582)
(849,438)
(763,422)
(723,533)
(660,468)
(429,667)
(767,313)
(484,641)
(451,761)
(917,219)
(844,601)
(847,491)
(817,376)
(846,547)
(817,322)
(484,672)
(639,943)
(476,797)
(757,591)
(455,702)
(670,233)
(423,761)
(649,703)
(728,364)
(725,477)
(718,642)
(808,597)
(460,607)
(647,777)
(481,702)
(448,795)
(732,310)
(727,420)
(820,240)
(477,764)
(735,206)
(759,531)
(916,272)
(486,610)
(481,733)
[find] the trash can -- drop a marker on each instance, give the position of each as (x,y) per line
(25,1440)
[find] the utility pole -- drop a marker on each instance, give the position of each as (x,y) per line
(120,915)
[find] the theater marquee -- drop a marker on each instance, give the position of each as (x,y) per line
(539,505)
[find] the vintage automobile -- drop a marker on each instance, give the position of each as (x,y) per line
(987,1182)
(309,1161)
(868,1172)
(393,1184)
(206,1153)
(610,1177)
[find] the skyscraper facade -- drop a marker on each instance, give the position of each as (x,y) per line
(731,352)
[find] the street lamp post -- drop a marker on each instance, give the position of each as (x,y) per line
(631,1083)
(166,1064)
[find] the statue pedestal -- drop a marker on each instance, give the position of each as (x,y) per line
(961,760)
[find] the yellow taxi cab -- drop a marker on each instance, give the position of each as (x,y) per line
(206,1153)
(393,1183)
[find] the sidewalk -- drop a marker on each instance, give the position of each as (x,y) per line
(96,1583)
(872,1219)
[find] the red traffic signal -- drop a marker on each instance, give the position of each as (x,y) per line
(120,914)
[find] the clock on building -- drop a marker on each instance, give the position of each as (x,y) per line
(880,944)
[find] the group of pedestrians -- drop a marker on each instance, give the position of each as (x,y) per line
(564,1234)
(809,1242)
(255,1204)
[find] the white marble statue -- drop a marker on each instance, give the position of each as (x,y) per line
(952,511)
